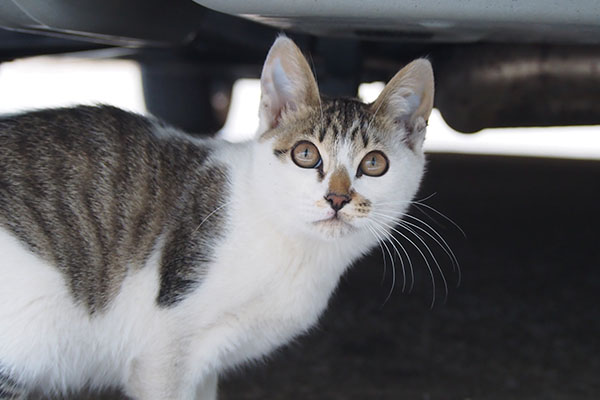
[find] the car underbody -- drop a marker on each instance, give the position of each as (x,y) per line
(497,64)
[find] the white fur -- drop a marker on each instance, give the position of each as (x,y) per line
(48,340)
(272,279)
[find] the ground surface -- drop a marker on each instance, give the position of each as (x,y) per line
(524,324)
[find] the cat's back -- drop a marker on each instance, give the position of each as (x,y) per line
(90,190)
(54,135)
(59,146)
(93,201)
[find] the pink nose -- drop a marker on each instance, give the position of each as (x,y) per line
(337,201)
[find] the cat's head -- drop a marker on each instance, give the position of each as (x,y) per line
(336,167)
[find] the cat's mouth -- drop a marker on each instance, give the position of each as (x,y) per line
(334,227)
(335,221)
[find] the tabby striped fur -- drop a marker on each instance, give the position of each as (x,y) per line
(135,256)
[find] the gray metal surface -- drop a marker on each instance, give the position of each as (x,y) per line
(428,20)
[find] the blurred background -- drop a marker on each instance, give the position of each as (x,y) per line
(512,187)
(84,78)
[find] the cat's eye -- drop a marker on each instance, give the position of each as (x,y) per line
(373,164)
(306,155)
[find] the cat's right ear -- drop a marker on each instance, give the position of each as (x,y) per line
(287,83)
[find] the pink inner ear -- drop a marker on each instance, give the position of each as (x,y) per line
(277,87)
(278,108)
(275,119)
(287,83)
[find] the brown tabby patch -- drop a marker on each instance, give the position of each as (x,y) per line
(339,183)
(92,189)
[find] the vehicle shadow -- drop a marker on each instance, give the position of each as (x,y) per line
(524,322)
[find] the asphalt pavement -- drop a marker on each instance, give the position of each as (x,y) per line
(523,324)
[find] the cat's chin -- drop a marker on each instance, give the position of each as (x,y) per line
(333,228)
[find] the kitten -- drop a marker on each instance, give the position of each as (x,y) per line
(135,256)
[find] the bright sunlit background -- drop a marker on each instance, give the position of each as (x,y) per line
(41,82)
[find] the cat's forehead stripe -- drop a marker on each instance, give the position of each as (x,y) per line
(342,118)
(336,123)
(322,131)
(365,138)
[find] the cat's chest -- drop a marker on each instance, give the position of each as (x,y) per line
(289,286)
(267,296)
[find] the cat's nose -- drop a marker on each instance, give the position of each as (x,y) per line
(337,201)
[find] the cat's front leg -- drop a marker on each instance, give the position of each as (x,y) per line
(159,378)
(207,389)
(167,378)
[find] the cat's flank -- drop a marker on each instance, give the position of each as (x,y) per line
(135,256)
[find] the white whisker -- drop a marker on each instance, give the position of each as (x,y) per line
(389,295)
(210,215)
(418,204)
(422,255)
(401,261)
(393,239)
(393,265)
(439,268)
(379,241)
(441,242)
(425,198)
(437,264)
(443,245)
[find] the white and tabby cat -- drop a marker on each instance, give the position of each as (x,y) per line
(135,256)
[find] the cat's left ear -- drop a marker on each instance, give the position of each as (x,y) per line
(287,83)
(407,99)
